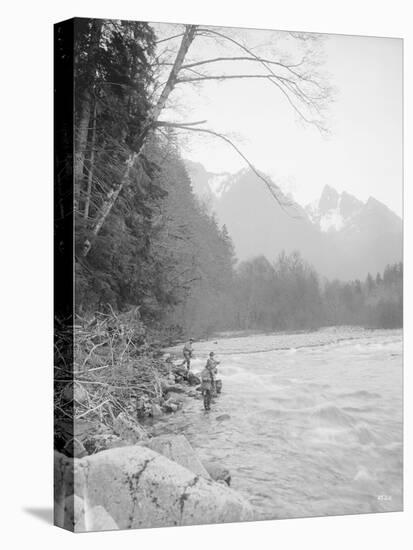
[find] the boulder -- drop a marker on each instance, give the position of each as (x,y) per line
(136,487)
(170,406)
(177,388)
(128,429)
(144,406)
(80,395)
(193,379)
(74,511)
(95,519)
(223,417)
(156,410)
(178,449)
(78,448)
(101,442)
(74,391)
(180,371)
(177,397)
(218,472)
(63,485)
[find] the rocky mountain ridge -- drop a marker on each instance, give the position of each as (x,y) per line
(342,236)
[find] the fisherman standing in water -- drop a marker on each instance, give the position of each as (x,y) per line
(187,351)
(208,380)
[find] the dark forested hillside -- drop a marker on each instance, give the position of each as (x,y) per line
(157,247)
(144,240)
(161,250)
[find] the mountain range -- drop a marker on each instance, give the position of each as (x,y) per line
(340,235)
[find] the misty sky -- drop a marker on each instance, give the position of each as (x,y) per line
(362,153)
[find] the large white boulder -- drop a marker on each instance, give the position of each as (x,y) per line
(137,487)
(178,449)
(129,430)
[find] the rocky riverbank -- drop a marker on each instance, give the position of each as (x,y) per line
(120,382)
(111,470)
(156,483)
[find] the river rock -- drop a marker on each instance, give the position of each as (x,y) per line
(177,397)
(178,449)
(180,373)
(172,387)
(101,442)
(74,391)
(218,472)
(74,511)
(137,487)
(223,417)
(129,430)
(178,388)
(143,406)
(170,406)
(95,519)
(156,410)
(63,485)
(193,379)
(78,448)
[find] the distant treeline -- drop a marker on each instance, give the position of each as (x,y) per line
(143,239)
(289,295)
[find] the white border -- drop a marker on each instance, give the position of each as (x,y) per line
(26,268)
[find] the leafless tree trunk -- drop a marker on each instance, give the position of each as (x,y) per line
(303,92)
(82,129)
(91,167)
(113,194)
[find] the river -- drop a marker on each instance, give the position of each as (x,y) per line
(315,420)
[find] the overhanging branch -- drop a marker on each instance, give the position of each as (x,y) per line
(239,58)
(287,86)
(272,187)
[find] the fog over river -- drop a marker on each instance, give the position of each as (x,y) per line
(315,420)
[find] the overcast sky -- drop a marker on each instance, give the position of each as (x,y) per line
(363,152)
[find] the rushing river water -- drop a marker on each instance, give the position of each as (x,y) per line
(315,420)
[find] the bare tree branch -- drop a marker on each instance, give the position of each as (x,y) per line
(271,186)
(281,80)
(238,58)
(169,38)
(303,90)
(165,123)
(113,193)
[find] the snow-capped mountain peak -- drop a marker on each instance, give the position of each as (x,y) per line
(334,210)
(339,234)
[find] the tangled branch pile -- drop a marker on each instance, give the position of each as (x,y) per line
(114,371)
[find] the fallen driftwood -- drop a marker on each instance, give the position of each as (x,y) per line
(114,373)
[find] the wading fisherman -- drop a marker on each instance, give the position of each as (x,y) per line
(208,380)
(187,351)
(212,363)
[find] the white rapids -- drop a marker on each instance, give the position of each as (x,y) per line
(315,420)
